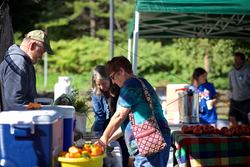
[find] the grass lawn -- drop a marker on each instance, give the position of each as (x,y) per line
(82,81)
(222,116)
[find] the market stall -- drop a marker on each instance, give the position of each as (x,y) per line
(188,19)
(211,150)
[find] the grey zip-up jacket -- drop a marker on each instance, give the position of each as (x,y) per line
(239,83)
(18,80)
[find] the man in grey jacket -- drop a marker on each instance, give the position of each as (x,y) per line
(18,80)
(239,85)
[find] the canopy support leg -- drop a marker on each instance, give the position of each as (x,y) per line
(129,49)
(135,42)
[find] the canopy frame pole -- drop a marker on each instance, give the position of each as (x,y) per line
(111,28)
(129,49)
(241,19)
(45,64)
(225,26)
(135,42)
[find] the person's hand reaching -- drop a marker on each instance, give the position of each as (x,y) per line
(102,144)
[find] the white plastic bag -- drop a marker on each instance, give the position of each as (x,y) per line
(81,121)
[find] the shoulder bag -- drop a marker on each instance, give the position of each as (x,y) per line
(148,135)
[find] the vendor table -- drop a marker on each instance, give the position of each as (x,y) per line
(211,150)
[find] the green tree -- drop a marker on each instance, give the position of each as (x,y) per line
(220,53)
(71,19)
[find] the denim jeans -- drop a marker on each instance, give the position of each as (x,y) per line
(156,160)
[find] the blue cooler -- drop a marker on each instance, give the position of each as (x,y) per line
(69,120)
(31,138)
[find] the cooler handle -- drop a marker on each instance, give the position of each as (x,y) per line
(178,91)
(22,129)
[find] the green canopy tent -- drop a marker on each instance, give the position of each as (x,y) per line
(188,19)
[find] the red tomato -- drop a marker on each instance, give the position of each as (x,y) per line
(233,129)
(248,127)
(227,132)
(239,127)
(183,127)
(212,129)
(216,131)
(202,127)
(186,129)
(207,125)
(191,128)
(196,126)
(238,132)
(245,131)
(197,131)
(223,129)
(207,130)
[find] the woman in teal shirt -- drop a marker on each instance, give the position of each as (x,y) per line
(132,96)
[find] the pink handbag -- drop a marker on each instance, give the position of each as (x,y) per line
(148,136)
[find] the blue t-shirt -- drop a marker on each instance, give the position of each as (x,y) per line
(132,95)
(206,92)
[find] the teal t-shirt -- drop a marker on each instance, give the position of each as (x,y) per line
(132,95)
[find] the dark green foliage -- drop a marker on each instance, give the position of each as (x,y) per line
(159,60)
(219,51)
(156,63)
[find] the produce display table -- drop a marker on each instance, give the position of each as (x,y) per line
(177,126)
(211,150)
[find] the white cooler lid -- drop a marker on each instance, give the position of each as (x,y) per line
(21,115)
(69,111)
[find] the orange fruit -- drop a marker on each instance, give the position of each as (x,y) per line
(61,153)
(67,155)
(95,149)
(73,149)
(86,151)
(86,147)
(75,155)
(231,126)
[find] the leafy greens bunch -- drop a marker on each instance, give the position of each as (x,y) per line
(75,99)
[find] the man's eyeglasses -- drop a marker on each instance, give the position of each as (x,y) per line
(113,76)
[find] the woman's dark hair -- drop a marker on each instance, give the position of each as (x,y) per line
(116,63)
(99,73)
(197,72)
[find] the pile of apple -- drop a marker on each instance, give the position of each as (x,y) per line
(233,130)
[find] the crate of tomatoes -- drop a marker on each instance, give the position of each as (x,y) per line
(233,130)
(89,154)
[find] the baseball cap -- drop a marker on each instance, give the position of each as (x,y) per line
(39,35)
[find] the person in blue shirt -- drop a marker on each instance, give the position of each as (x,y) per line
(207,96)
(104,97)
(132,96)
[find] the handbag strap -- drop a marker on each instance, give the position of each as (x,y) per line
(149,99)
